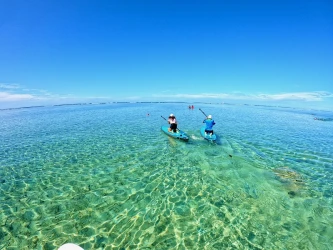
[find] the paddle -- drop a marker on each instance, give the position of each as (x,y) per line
(202,112)
(206,116)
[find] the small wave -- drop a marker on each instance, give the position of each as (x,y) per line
(195,137)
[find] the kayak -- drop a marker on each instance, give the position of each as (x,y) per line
(181,135)
(207,136)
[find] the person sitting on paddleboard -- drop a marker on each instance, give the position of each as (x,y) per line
(209,125)
(173,123)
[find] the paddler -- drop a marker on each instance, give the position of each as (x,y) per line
(173,123)
(209,125)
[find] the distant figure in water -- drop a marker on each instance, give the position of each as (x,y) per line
(209,125)
(192,107)
(189,106)
(173,123)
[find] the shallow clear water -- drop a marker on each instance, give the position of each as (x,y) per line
(107,177)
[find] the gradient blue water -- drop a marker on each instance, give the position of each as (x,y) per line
(106,177)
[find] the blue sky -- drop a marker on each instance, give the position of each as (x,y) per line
(255,52)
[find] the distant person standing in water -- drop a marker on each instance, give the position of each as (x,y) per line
(209,125)
(173,123)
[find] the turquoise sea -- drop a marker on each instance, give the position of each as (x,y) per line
(105,176)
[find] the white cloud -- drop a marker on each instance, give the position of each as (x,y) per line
(9,86)
(305,96)
(5,96)
(297,96)
(17,95)
(16,92)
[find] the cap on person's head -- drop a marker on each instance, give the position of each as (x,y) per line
(209,117)
(171,115)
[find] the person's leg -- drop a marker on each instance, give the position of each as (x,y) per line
(210,132)
(174,127)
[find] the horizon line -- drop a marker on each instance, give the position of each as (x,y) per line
(156,102)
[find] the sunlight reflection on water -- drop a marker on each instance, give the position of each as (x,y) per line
(105,176)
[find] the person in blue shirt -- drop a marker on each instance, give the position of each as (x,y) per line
(209,125)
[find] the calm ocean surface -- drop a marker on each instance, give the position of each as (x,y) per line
(107,177)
